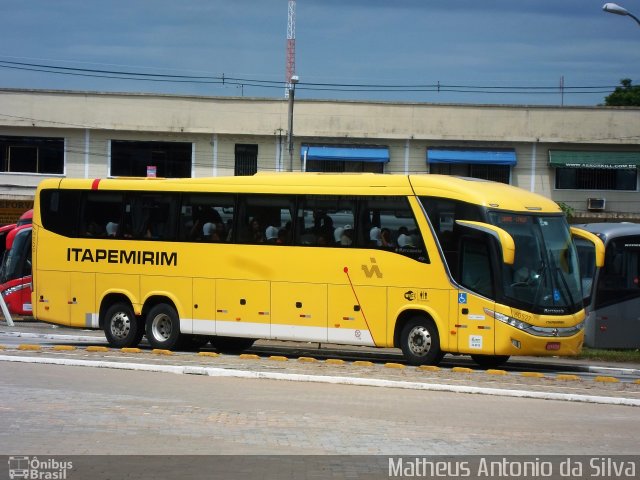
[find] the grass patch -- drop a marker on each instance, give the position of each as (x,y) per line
(622,356)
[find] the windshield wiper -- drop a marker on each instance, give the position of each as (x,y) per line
(540,279)
(563,280)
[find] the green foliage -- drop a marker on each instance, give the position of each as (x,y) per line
(624,95)
(568,211)
(617,356)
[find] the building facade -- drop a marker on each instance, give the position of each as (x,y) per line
(585,158)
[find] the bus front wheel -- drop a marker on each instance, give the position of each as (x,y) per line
(121,327)
(420,342)
(163,327)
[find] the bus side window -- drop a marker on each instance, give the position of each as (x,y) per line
(265,219)
(100,210)
(60,211)
(475,266)
(150,216)
(388,223)
(325,221)
(206,217)
(443,213)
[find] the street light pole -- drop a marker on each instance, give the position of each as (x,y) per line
(618,10)
(292,92)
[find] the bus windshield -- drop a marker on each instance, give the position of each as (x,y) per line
(17,261)
(545,277)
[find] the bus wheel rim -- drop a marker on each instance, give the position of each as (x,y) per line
(120,325)
(419,341)
(161,327)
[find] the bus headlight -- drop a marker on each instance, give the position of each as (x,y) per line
(534,329)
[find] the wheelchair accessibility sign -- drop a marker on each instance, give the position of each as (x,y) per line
(462,298)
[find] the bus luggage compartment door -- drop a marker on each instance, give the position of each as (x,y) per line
(299,311)
(243,308)
(358,315)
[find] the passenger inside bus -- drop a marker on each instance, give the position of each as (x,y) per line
(346,239)
(385,238)
(271,234)
(375,237)
(112,229)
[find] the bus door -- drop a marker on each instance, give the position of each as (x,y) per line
(474,327)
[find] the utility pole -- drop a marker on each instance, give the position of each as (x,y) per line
(292,93)
(290,70)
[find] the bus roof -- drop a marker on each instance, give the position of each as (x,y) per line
(26,217)
(481,192)
(609,231)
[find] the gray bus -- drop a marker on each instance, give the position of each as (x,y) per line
(612,292)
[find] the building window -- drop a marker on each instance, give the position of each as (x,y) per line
(341,166)
(32,155)
(136,159)
(496,173)
(596,178)
(246,161)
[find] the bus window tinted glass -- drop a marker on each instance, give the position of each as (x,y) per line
(325,221)
(101,214)
(475,267)
(619,279)
(443,214)
(388,223)
(265,219)
(206,217)
(58,209)
(149,216)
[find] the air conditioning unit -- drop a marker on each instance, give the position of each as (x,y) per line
(596,203)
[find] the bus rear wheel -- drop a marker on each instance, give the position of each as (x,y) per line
(490,361)
(420,342)
(163,327)
(121,327)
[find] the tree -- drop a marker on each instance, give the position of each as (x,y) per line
(624,95)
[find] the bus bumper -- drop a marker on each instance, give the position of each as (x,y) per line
(512,341)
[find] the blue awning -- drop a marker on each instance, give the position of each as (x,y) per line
(349,154)
(475,156)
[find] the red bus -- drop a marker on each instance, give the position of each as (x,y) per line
(15,271)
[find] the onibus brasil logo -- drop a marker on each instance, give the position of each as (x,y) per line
(33,468)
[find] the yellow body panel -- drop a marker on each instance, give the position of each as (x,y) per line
(204,305)
(299,311)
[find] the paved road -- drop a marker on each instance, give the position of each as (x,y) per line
(56,410)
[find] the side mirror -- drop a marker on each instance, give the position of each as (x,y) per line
(591,238)
(502,236)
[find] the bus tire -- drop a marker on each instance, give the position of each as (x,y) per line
(163,327)
(490,361)
(420,342)
(231,344)
(121,326)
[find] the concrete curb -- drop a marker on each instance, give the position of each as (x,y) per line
(600,370)
(336,380)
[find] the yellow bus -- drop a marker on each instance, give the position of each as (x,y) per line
(429,264)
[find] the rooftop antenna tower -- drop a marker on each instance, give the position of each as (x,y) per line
(291,46)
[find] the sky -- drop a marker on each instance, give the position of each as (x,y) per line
(437,51)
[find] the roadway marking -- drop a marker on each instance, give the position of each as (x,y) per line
(336,380)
